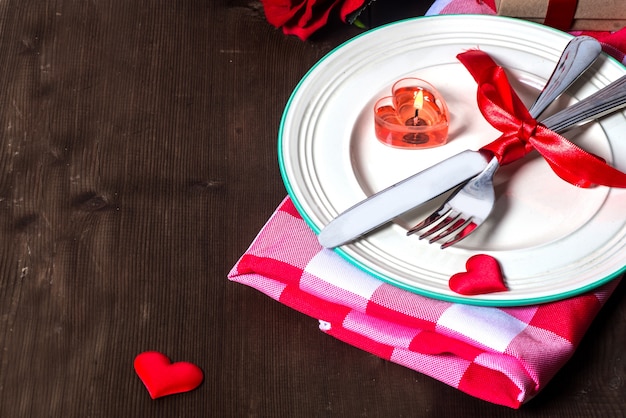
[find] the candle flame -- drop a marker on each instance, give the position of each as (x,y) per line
(418,103)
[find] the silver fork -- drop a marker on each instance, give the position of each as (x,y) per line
(468,207)
(467,211)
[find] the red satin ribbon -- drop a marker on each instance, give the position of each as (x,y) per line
(521,133)
(560,14)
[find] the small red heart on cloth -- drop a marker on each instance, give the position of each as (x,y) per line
(483,275)
(162,377)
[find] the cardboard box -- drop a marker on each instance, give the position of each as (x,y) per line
(600,15)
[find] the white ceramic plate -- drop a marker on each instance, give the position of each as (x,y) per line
(553,240)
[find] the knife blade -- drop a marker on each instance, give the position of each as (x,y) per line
(419,188)
(401,197)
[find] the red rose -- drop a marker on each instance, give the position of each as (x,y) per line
(303,17)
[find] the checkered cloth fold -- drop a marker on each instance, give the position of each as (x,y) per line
(502,355)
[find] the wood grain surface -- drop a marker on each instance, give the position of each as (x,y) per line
(137,163)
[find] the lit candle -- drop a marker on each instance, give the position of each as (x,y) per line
(418,103)
(415,116)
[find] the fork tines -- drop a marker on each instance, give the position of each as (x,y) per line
(443,223)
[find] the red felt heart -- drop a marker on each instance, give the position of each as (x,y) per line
(162,377)
(483,275)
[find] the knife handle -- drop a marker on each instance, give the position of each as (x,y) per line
(604,101)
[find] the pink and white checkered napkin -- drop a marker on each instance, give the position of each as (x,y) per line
(501,355)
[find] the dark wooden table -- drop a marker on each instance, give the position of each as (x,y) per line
(137,163)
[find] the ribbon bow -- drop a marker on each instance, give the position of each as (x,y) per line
(521,133)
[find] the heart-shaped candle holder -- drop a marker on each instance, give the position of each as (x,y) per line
(414,116)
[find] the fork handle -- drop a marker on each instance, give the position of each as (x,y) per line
(578,55)
(604,101)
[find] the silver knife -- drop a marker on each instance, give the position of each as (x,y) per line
(577,56)
(407,194)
